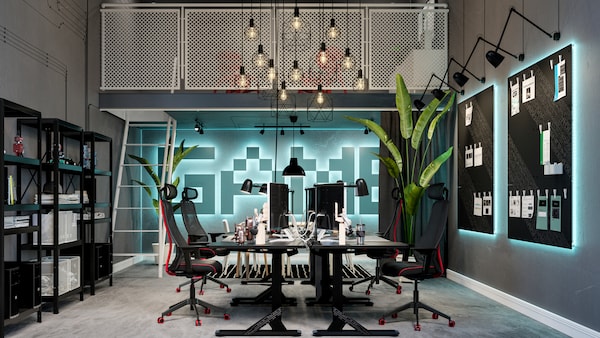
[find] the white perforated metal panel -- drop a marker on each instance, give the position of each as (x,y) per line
(410,42)
(140,49)
(213,49)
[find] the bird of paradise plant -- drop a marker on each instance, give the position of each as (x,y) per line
(407,167)
(179,154)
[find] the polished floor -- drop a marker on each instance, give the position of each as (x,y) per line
(130,308)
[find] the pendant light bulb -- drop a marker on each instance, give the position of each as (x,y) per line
(360,81)
(348,62)
(283,92)
(296,74)
(243,80)
(271,75)
(296,22)
(320,95)
(260,60)
(251,30)
(323,54)
(333,31)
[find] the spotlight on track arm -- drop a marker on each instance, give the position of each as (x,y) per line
(494,58)
(459,77)
(199,127)
(262,131)
(438,93)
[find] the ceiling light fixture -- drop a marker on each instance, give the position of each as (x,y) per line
(251,30)
(293,169)
(360,83)
(283,92)
(333,32)
(271,74)
(296,22)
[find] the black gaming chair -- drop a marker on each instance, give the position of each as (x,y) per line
(428,261)
(184,264)
(197,235)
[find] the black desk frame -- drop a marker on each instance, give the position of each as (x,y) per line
(340,319)
(274,292)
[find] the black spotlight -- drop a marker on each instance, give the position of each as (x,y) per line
(262,131)
(460,78)
(494,58)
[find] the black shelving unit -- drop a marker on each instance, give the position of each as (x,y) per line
(98,226)
(20,277)
(62,175)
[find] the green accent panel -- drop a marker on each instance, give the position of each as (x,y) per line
(227,192)
(252,153)
(239,164)
(322,176)
(364,171)
(266,165)
(205,183)
(202,153)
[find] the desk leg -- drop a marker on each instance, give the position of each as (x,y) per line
(273,318)
(340,319)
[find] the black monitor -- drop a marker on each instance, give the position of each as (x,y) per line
(326,196)
(278,206)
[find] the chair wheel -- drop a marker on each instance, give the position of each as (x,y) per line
(160,320)
(226,316)
(394,315)
(178,290)
(201,292)
(222,286)
(417,327)
(351,288)
(228,290)
(170,313)
(368,292)
(451,323)
(399,289)
(207,310)
(198,322)
(381,321)
(434,316)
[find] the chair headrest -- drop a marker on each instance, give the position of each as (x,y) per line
(169,191)
(437,191)
(189,193)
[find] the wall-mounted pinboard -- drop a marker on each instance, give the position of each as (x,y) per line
(476,162)
(540,151)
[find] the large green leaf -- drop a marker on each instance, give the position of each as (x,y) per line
(146,165)
(422,122)
(433,167)
(384,138)
(412,197)
(404,106)
(390,164)
(435,120)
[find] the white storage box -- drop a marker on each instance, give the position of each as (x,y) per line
(69,274)
(67,228)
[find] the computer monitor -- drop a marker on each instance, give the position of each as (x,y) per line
(327,196)
(278,194)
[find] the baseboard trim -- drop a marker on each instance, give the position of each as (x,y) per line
(545,317)
(126,263)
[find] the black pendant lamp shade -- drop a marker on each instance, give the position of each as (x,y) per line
(293,169)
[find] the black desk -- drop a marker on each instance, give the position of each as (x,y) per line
(340,319)
(273,293)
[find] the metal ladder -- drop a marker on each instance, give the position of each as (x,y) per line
(133,215)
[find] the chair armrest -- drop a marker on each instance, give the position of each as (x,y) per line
(214,235)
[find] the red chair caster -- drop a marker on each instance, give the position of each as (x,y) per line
(160,320)
(394,315)
(198,322)
(170,313)
(222,286)
(399,289)
(451,323)
(368,292)
(381,321)
(178,290)
(434,316)
(201,292)
(417,327)
(226,316)
(207,311)
(228,290)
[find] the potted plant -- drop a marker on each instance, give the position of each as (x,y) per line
(407,162)
(179,154)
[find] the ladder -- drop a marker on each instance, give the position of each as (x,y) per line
(134,215)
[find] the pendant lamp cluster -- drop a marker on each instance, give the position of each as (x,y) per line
(264,67)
